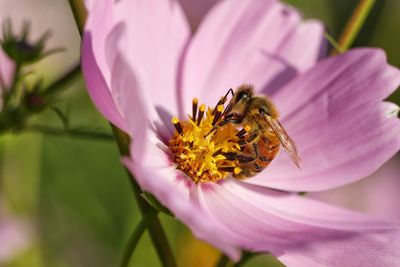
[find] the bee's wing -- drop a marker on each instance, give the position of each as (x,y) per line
(286,141)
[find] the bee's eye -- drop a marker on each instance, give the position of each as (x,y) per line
(242,95)
(263,111)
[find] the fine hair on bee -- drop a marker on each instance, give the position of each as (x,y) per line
(262,133)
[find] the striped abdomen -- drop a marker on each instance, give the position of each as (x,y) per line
(257,152)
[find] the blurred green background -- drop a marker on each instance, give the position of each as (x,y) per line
(74,192)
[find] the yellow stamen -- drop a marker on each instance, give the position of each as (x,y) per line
(205,158)
(194,108)
(201,113)
(178,126)
(217,114)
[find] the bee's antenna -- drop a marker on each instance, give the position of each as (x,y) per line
(230,91)
(219,113)
(223,100)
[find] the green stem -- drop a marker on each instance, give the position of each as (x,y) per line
(223,261)
(245,258)
(157,234)
(74,132)
(79,11)
(14,83)
(63,81)
(355,24)
(135,237)
(15,77)
(335,45)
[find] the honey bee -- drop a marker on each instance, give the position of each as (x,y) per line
(262,133)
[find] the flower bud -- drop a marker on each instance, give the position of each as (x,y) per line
(20,49)
(34,99)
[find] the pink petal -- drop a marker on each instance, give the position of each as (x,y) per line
(6,74)
(152,60)
(336,116)
(7,67)
(155,174)
(156,36)
(304,45)
(15,237)
(376,194)
(100,22)
(248,41)
(298,230)
(98,88)
(196,10)
(94,59)
(137,104)
(132,100)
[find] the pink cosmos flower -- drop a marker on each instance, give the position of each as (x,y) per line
(14,236)
(7,68)
(142,67)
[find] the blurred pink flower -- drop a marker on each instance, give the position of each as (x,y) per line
(7,68)
(142,66)
(14,236)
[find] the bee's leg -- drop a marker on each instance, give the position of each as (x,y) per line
(230,118)
(252,136)
(248,139)
(234,118)
(227,109)
(232,156)
(242,143)
(245,159)
(241,133)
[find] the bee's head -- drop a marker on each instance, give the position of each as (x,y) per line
(262,106)
(243,94)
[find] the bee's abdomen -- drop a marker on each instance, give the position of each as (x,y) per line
(257,155)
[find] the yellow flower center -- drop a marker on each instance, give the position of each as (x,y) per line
(201,148)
